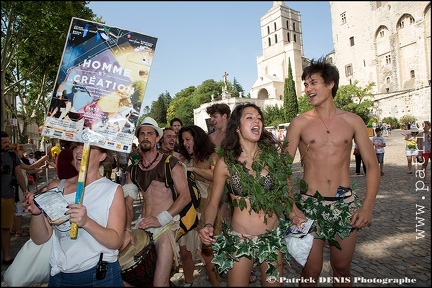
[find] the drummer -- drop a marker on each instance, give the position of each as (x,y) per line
(159,211)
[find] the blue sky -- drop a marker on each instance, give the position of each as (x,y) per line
(198,41)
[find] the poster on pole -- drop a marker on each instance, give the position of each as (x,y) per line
(100,85)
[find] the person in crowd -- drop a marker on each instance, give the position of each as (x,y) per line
(323,136)
(176,125)
(198,153)
(109,164)
(64,164)
(134,156)
(358,160)
(424,145)
(219,114)
(122,161)
(27,171)
(379,144)
(31,157)
(10,172)
(159,211)
(167,143)
(411,148)
(257,172)
(100,219)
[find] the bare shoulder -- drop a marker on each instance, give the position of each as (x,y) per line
(300,120)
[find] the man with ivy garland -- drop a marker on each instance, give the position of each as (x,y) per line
(324,137)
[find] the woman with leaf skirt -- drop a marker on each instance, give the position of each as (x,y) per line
(254,169)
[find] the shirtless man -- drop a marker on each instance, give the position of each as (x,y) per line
(159,211)
(219,114)
(324,137)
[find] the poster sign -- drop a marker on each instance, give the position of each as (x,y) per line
(100,85)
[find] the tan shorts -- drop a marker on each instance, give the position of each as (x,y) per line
(7,212)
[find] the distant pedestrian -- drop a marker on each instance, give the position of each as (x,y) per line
(358,160)
(424,145)
(411,148)
(379,144)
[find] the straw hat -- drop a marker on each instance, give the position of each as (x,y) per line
(150,122)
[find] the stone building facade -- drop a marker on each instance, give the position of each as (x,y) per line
(388,43)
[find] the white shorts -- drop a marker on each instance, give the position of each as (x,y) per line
(411,152)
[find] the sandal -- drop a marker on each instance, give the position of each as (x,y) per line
(22,234)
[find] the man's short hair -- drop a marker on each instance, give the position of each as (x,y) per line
(4,134)
(220,108)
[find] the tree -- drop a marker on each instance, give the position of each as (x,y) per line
(290,96)
(304,104)
(392,121)
(237,88)
(32,41)
(274,115)
(346,93)
(179,106)
(406,121)
(159,107)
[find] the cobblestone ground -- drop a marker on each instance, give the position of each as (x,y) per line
(395,248)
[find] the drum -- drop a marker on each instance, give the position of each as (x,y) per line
(138,262)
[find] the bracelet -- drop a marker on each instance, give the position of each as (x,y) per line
(36,214)
(208,225)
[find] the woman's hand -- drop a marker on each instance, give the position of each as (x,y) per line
(78,214)
(127,238)
(206,235)
(297,217)
(29,205)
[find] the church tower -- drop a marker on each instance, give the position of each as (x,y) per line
(282,40)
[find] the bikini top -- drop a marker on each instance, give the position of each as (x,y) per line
(236,188)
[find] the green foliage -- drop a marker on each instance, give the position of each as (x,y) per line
(278,163)
(273,115)
(407,120)
(192,97)
(159,107)
(290,96)
(344,99)
(304,104)
(32,42)
(392,121)
(371,121)
(237,88)
(180,106)
(203,93)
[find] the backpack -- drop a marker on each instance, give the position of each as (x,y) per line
(188,216)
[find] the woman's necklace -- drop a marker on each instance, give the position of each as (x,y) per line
(141,163)
(327,128)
